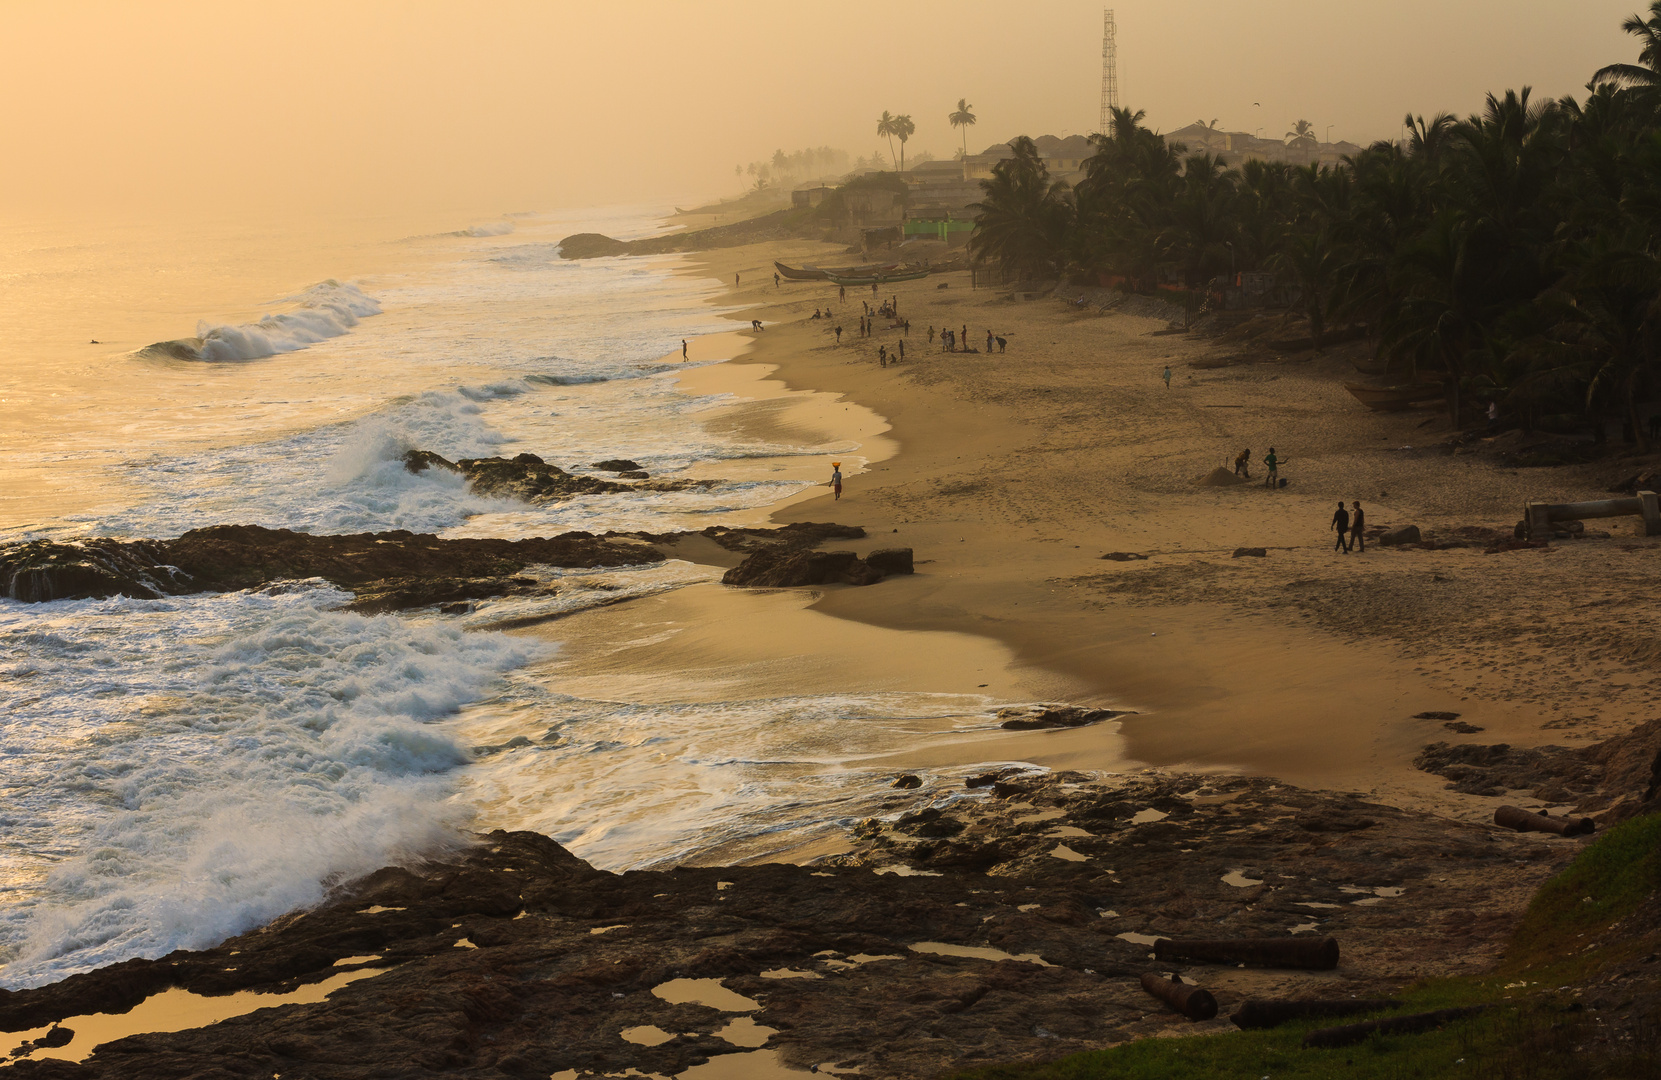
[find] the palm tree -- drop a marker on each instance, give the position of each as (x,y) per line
(1023,219)
(1302,136)
(965,119)
(1211,135)
(1647,72)
(888,126)
(902,128)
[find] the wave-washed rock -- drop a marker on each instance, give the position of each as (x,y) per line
(1036,717)
(388,570)
(528,477)
(1010,935)
(783,565)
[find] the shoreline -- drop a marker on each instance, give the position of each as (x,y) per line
(1252,688)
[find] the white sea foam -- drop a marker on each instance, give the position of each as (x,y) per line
(182,770)
(491,228)
(326,310)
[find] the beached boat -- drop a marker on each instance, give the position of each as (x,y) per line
(878,278)
(1394,398)
(804,273)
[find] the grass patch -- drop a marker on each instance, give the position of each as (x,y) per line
(1605,883)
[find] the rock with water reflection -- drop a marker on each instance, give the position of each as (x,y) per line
(950,930)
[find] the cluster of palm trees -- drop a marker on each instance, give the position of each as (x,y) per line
(901,127)
(1516,251)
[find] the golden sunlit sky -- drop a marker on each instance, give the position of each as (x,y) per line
(357,104)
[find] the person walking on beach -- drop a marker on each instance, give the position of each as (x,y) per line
(836,478)
(1341,525)
(964,337)
(842,294)
(902,348)
(989,341)
(1358,521)
(683,350)
(931,334)
(775,279)
(1272,463)
(735,281)
(1167,376)
(1243,463)
(839,335)
(882,355)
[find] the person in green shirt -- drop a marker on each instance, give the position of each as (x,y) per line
(1272,463)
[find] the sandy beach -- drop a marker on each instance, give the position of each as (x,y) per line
(1012,474)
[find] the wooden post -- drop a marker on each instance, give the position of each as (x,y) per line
(1651,504)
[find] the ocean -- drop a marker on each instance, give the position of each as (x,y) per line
(182,770)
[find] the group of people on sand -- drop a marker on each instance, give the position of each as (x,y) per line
(954,341)
(1272,461)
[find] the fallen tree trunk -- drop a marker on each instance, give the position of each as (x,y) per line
(1191,1001)
(1515,817)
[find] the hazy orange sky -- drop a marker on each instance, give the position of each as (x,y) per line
(510,105)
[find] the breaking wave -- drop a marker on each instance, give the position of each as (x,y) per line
(326,310)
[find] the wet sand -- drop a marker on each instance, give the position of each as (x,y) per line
(1011,474)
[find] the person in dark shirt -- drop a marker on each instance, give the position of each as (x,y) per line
(1341,523)
(1358,521)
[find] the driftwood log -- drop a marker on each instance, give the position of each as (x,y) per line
(1515,817)
(1258,1014)
(1350,1034)
(1318,954)
(1191,1001)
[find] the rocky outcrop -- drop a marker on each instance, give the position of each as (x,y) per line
(891,561)
(389,570)
(783,567)
(1612,780)
(1036,717)
(518,959)
(528,477)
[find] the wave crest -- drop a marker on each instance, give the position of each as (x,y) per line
(326,310)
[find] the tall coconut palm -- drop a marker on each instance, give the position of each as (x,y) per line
(902,128)
(1023,218)
(888,126)
(1302,136)
(1647,71)
(964,118)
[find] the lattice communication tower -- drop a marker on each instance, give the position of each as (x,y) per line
(1110,68)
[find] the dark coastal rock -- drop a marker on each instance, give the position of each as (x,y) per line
(528,477)
(1035,717)
(1494,770)
(591,246)
(784,568)
(540,992)
(797,534)
(1250,552)
(634,474)
(1407,534)
(909,780)
(389,570)
(1125,556)
(891,561)
(617,465)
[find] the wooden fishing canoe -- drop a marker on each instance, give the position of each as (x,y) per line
(877,279)
(1393,398)
(804,273)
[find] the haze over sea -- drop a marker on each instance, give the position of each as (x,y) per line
(180,770)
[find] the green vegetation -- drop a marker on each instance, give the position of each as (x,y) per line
(963,117)
(896,127)
(1516,252)
(1533,1029)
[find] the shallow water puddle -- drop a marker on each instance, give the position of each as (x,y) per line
(646,1035)
(1315,904)
(907,871)
(1028,907)
(604,929)
(1138,939)
(1304,928)
(464,944)
(1062,851)
(704,992)
(1042,815)
(743,1031)
(790,973)
(1142,817)
(377,909)
(347,961)
(1071,832)
(976,952)
(174,1010)
(1239,880)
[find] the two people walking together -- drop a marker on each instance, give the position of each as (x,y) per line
(1350,525)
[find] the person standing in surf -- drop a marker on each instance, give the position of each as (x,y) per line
(836,478)
(683,350)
